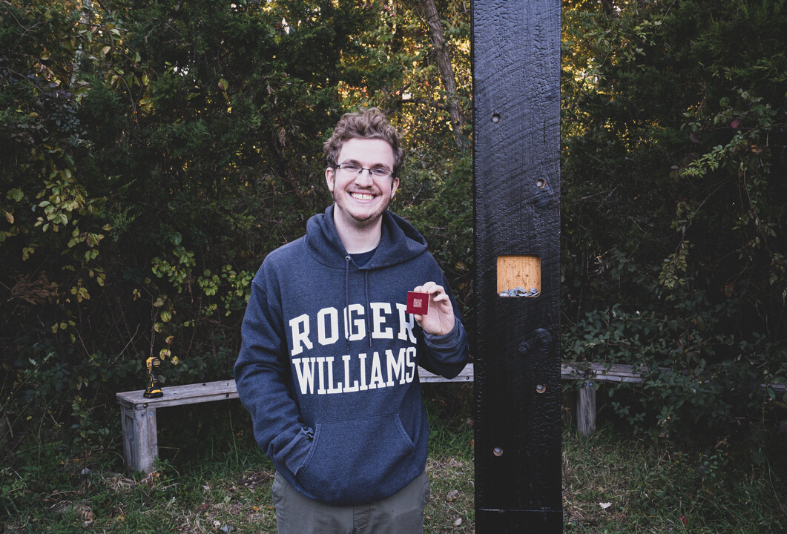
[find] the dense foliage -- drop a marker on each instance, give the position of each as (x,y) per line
(152,154)
(674,246)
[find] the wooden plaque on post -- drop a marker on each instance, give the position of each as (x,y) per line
(516,73)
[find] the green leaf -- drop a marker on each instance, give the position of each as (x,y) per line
(15,194)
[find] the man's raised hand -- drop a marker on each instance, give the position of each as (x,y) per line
(439,320)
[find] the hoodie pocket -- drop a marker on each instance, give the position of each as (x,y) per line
(359,461)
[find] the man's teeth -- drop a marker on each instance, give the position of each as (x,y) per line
(362,196)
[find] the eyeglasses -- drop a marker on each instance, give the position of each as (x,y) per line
(352,168)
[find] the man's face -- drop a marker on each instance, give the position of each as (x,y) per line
(362,198)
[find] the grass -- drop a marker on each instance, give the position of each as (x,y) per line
(220,498)
(212,478)
(653,488)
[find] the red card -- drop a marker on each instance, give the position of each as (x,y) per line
(417,303)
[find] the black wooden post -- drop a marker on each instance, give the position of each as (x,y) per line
(516,73)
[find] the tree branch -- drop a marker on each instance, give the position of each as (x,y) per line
(444,64)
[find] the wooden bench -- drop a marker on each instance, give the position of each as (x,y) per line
(586,393)
(140,443)
(138,414)
(592,372)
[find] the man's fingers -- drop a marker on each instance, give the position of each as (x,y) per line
(440,319)
(441,296)
(431,288)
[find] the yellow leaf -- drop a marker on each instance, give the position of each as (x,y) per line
(164,354)
(106,50)
(9,218)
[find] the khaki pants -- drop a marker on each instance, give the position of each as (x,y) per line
(401,513)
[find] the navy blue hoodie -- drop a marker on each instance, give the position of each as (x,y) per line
(328,367)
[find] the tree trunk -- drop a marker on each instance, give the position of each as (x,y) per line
(85,20)
(444,64)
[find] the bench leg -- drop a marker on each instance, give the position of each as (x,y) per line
(140,440)
(586,409)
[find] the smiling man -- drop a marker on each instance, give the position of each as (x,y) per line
(328,367)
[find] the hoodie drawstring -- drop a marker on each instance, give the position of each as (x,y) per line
(347,301)
(366,310)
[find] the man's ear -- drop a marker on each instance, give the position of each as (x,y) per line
(329,175)
(394,186)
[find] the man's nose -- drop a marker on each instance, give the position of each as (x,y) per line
(364,178)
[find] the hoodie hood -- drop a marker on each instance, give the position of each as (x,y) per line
(399,242)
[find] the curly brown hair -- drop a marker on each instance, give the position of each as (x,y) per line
(365,124)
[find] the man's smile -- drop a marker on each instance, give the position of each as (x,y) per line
(363,196)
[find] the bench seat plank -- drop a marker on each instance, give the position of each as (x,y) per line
(467,375)
(179,395)
(225,389)
(604,372)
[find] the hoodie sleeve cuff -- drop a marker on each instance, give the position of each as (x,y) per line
(451,339)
